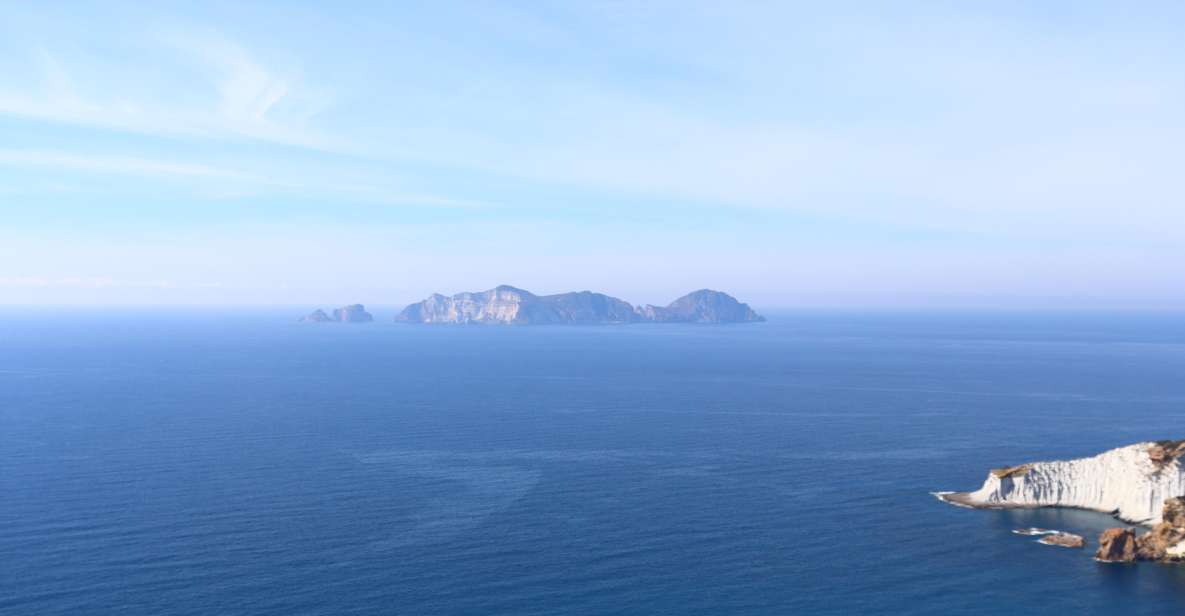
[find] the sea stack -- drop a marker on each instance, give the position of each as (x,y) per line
(1117,545)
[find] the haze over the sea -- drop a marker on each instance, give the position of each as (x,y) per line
(1002,155)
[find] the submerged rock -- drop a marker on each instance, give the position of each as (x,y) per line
(1034,532)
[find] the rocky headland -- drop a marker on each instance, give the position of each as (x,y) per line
(354,313)
(507,305)
(1142,484)
(1165,542)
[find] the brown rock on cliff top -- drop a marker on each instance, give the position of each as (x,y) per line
(1011,471)
(1164,452)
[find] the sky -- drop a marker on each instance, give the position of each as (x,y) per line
(1006,155)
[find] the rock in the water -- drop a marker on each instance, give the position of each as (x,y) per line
(1166,540)
(354,313)
(317,316)
(508,305)
(1117,545)
(1065,540)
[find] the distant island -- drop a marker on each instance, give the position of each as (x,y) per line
(354,313)
(507,305)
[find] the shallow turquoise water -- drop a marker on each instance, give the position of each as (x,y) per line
(173,462)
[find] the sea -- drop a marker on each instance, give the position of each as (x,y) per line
(233,461)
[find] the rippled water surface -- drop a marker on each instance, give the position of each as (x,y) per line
(172,462)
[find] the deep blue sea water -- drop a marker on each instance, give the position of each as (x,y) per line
(233,462)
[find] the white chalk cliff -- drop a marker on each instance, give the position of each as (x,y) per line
(1131,482)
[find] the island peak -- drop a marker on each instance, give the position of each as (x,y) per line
(509,305)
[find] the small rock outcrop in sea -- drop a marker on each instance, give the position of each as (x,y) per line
(354,313)
(1065,540)
(1166,540)
(507,305)
(1132,482)
(1117,545)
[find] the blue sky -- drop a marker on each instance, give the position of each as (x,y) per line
(1013,155)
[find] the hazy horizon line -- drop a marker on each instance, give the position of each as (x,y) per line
(762,308)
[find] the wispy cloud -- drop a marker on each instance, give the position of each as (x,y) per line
(236,97)
(230,97)
(83,282)
(229,182)
(112,164)
(639,133)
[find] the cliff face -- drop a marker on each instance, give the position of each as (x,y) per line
(504,304)
(1133,482)
(512,306)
